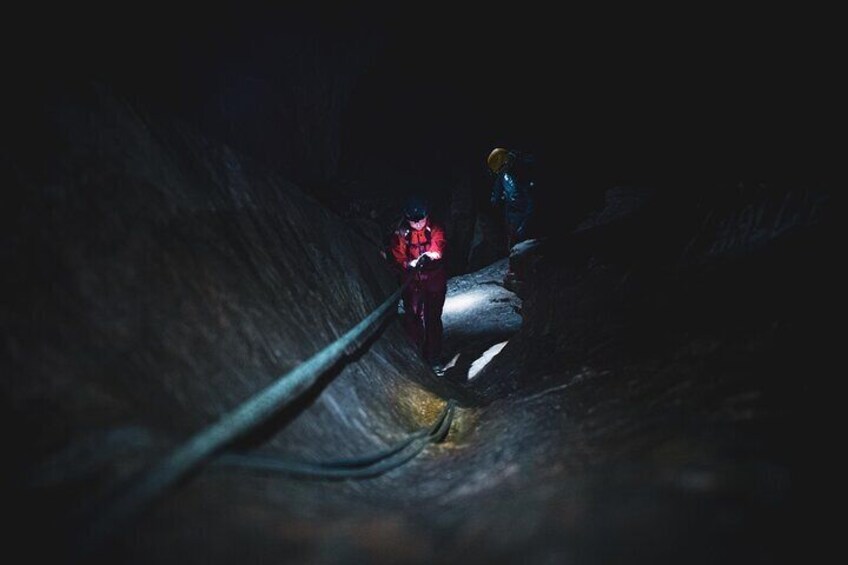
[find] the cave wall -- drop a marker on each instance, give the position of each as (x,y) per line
(157,280)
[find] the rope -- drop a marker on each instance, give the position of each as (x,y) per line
(363,467)
(246,417)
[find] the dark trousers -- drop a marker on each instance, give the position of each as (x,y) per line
(517,226)
(423,301)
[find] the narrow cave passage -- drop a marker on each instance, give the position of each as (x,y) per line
(194,207)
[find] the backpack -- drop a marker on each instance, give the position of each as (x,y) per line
(524,170)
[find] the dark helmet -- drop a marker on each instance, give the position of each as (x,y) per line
(415,209)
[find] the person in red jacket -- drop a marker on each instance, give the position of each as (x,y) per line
(417,250)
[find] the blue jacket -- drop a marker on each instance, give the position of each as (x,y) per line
(513,187)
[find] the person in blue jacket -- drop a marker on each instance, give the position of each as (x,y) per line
(513,189)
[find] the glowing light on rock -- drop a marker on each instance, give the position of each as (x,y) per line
(463,302)
(484,359)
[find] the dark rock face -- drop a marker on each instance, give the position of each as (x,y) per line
(686,341)
(158,282)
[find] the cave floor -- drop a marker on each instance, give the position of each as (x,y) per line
(580,468)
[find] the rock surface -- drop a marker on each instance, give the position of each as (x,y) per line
(665,374)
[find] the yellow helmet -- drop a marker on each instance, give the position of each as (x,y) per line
(497,159)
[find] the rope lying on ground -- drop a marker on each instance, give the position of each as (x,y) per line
(361,467)
(245,418)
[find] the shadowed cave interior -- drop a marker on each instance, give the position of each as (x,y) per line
(190,218)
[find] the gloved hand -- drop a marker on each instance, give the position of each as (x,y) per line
(425,258)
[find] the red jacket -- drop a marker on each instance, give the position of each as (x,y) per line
(407,244)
